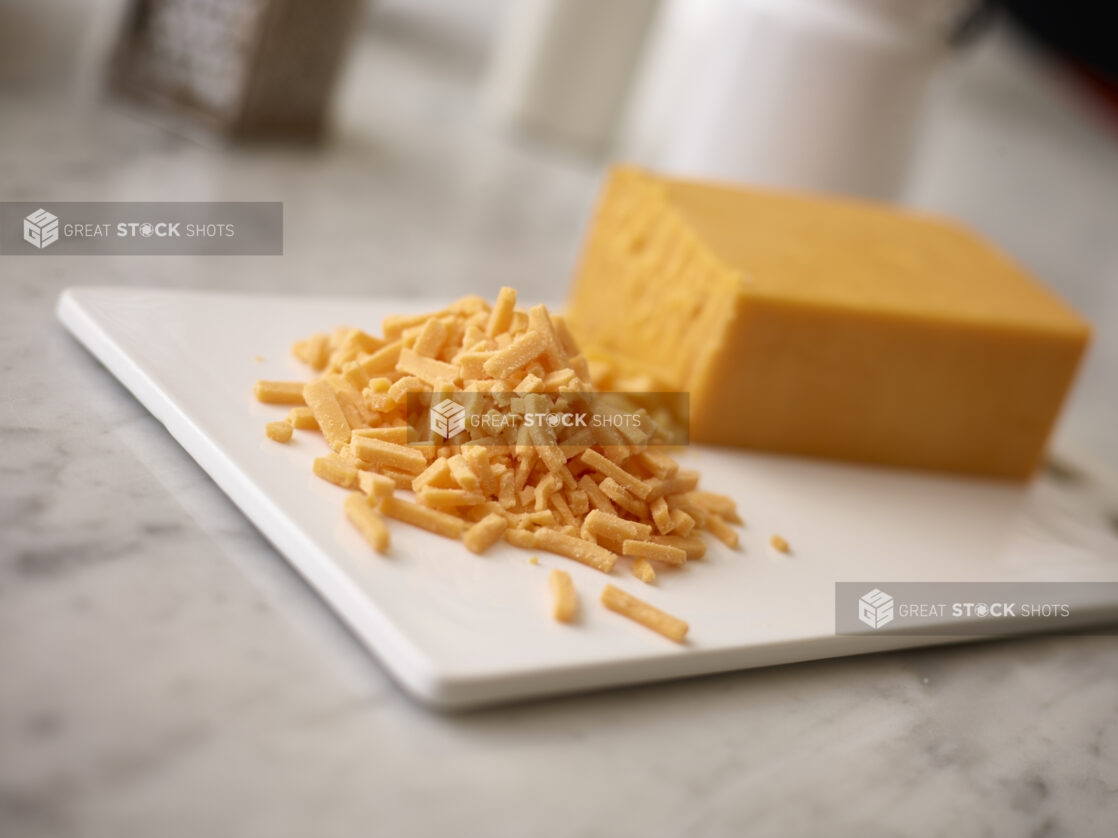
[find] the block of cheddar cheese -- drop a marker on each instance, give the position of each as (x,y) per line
(825,326)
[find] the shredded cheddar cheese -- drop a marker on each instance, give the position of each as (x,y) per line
(590,494)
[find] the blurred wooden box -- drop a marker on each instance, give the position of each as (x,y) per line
(250,69)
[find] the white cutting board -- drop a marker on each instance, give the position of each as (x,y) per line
(457,629)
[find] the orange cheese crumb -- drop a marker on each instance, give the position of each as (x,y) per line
(647,615)
(643,570)
(564,598)
(279,431)
(366,519)
(279,392)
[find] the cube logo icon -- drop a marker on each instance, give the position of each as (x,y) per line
(40,228)
(448,418)
(875,609)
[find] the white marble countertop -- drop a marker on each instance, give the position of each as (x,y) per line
(163,672)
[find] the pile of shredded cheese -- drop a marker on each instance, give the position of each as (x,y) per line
(589,494)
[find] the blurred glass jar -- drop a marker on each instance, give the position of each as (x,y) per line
(823,95)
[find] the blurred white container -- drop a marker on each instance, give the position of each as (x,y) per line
(563,68)
(822,95)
